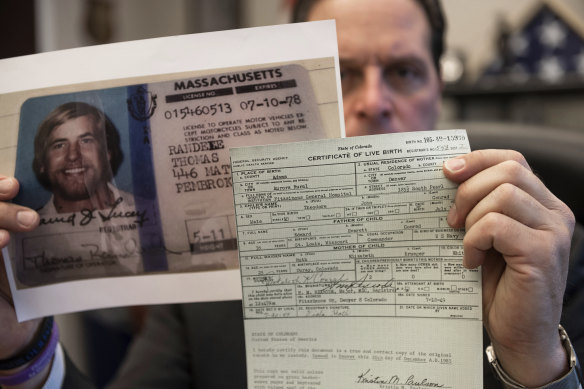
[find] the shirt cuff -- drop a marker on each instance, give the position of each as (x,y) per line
(569,381)
(57,374)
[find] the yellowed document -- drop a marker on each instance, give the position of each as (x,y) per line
(351,275)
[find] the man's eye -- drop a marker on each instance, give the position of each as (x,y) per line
(405,78)
(406,72)
(349,79)
(58,146)
(86,141)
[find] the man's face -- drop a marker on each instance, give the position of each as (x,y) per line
(388,77)
(76,162)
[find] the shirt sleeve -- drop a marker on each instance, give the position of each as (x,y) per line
(569,381)
(57,373)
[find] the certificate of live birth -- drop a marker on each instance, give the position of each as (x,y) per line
(351,275)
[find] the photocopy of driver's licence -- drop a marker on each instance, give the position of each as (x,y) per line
(130,172)
(351,275)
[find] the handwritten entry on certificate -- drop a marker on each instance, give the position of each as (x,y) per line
(351,276)
(130,171)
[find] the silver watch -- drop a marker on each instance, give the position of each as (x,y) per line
(573,379)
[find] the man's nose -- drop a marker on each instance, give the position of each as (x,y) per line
(73,151)
(375,100)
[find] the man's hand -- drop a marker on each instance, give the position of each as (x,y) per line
(520,233)
(14,336)
(13,217)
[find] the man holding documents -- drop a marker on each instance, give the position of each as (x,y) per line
(515,227)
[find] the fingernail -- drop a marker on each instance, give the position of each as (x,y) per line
(451,218)
(6,185)
(26,218)
(465,263)
(455,164)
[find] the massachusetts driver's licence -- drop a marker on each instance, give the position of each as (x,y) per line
(171,215)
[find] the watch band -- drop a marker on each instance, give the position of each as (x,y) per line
(571,380)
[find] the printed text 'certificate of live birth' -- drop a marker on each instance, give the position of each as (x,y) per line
(131,176)
(351,276)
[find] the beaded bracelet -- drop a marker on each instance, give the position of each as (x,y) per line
(38,364)
(39,343)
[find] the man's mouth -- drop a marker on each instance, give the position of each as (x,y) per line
(73,171)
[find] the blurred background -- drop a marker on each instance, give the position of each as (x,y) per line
(520,61)
(513,73)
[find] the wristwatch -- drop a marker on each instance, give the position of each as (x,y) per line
(572,380)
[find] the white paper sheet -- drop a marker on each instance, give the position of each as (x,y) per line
(44,80)
(351,275)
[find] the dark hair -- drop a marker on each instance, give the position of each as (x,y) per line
(62,114)
(432,9)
